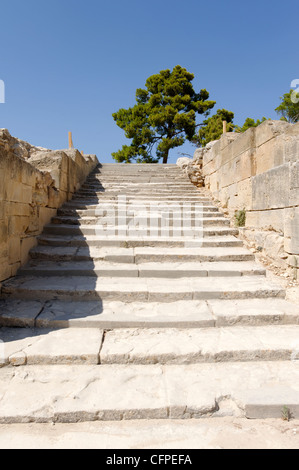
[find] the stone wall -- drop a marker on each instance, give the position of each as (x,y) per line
(258,171)
(34,183)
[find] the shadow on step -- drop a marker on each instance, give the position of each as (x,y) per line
(50,292)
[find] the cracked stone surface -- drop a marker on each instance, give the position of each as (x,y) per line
(88,393)
(66,346)
(183,346)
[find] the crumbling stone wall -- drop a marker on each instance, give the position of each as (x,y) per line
(258,171)
(34,183)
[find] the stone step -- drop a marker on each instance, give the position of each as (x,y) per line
(116,204)
(99,185)
(143,289)
(155,219)
(160,188)
(115,314)
(132,242)
(89,213)
(191,346)
(142,198)
(123,200)
(140,255)
(23,346)
(100,229)
(137,179)
(156,269)
(78,393)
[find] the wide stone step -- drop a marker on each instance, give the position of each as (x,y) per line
(142,289)
(75,215)
(100,229)
(140,255)
(22,346)
(132,242)
(153,219)
(191,346)
(150,197)
(115,204)
(116,314)
(145,187)
(78,393)
(157,269)
(99,186)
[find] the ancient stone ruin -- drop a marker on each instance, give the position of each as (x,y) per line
(127,292)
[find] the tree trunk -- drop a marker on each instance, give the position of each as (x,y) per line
(165,157)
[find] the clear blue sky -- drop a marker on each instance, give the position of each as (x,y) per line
(69,64)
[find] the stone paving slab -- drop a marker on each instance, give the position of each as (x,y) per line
(142,289)
(140,241)
(117,314)
(73,394)
(141,254)
(157,269)
(35,346)
(254,312)
(19,313)
(99,230)
(187,346)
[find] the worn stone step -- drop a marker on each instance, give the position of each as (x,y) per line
(144,220)
(77,393)
(156,269)
(100,229)
(89,213)
(142,289)
(140,255)
(135,189)
(132,242)
(163,187)
(116,314)
(24,346)
(171,198)
(191,346)
(71,205)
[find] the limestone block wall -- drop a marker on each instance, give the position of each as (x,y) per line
(259,171)
(34,183)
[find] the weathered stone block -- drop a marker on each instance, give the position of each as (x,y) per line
(18,225)
(45,216)
(266,219)
(5,269)
(268,130)
(270,155)
(17,208)
(291,230)
(294,184)
(245,142)
(14,250)
(271,189)
(19,192)
(238,169)
(26,245)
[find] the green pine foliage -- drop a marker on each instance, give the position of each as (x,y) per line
(163,118)
(289,107)
(212,128)
(249,122)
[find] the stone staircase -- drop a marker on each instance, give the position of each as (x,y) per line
(140,302)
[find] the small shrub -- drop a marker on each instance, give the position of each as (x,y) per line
(240,218)
(285,414)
